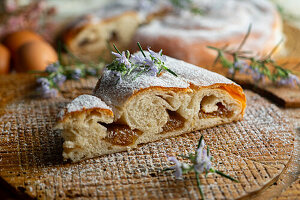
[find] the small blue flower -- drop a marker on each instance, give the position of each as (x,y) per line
(177,167)
(158,56)
(44,89)
(49,93)
(43,81)
(203,160)
(53,67)
(242,66)
(122,59)
(231,70)
(256,75)
(59,79)
(291,80)
(138,59)
(153,69)
(76,74)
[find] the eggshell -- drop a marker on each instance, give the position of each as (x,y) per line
(15,40)
(34,56)
(4,59)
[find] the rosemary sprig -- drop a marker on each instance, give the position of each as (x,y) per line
(50,80)
(126,64)
(260,68)
(201,162)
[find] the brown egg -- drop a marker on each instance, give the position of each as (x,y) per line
(4,59)
(15,40)
(34,56)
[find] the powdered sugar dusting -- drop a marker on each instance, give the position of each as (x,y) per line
(194,74)
(116,93)
(85,102)
(143,9)
(222,20)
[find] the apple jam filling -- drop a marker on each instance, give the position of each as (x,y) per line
(222,111)
(175,122)
(123,135)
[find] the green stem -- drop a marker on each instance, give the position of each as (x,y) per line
(214,48)
(235,60)
(274,49)
(199,185)
(59,52)
(245,38)
(167,169)
(170,71)
(207,150)
(226,176)
(140,47)
(117,49)
(200,141)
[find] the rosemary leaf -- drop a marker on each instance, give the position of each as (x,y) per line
(226,176)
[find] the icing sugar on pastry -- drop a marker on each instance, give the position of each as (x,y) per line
(218,22)
(185,35)
(116,93)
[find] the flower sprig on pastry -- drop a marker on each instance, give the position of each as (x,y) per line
(200,162)
(49,82)
(259,68)
(127,66)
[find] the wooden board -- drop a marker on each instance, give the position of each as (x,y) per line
(255,151)
(292,192)
(288,185)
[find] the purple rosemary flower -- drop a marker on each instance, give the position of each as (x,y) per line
(44,88)
(158,56)
(138,59)
(231,70)
(177,167)
(153,69)
(76,74)
(292,80)
(122,59)
(256,74)
(203,159)
(43,81)
(59,79)
(53,67)
(49,93)
(242,66)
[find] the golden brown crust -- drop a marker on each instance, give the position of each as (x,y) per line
(84,110)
